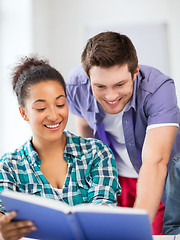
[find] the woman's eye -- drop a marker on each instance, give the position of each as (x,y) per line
(41,109)
(60,105)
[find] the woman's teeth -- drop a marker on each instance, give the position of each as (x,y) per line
(52,126)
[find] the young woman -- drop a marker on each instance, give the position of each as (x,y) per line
(53,163)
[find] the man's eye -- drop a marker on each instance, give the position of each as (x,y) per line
(100,86)
(120,84)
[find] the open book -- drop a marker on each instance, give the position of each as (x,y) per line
(58,220)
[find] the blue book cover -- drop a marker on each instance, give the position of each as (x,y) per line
(56,220)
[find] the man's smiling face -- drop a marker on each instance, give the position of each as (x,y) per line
(112,87)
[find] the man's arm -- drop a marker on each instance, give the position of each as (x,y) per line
(155,156)
(83,129)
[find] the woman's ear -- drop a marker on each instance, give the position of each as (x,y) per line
(23,113)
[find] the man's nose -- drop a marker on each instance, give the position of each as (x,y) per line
(111,95)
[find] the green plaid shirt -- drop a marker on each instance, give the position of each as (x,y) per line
(91,175)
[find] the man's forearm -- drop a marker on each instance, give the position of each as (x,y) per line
(83,129)
(155,157)
(150,187)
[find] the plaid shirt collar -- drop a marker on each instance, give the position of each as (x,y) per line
(32,156)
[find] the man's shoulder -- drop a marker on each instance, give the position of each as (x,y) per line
(151,73)
(78,89)
(77,76)
(150,78)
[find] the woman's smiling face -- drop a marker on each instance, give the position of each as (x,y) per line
(46,110)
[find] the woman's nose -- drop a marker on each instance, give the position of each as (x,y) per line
(53,114)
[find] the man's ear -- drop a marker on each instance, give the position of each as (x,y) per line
(23,113)
(136,73)
(87,76)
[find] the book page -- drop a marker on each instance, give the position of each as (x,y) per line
(106,209)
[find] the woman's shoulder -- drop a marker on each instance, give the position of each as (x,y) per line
(85,144)
(18,154)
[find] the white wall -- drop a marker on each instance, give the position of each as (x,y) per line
(58,29)
(16,40)
(67,23)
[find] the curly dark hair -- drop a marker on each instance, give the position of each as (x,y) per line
(29,71)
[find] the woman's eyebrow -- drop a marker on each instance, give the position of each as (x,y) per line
(39,100)
(42,100)
(60,96)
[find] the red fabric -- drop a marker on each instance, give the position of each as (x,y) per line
(127,198)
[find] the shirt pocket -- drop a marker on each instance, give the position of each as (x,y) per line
(31,188)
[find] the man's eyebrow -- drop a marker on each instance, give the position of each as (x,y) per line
(121,81)
(42,100)
(101,84)
(96,83)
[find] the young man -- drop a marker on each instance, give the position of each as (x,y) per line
(131,108)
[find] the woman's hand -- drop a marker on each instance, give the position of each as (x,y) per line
(13,230)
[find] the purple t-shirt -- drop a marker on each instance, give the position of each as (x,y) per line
(153,102)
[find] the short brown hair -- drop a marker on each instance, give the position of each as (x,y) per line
(108,49)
